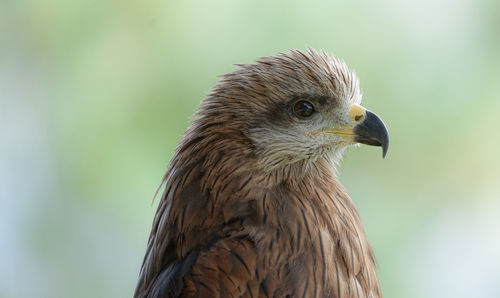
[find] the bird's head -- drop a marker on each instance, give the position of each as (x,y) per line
(295,108)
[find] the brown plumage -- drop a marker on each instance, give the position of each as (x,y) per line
(252,206)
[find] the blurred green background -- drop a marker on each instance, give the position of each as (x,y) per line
(94,96)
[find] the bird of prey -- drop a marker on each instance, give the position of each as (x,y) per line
(252,206)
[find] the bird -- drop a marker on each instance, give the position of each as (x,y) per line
(251,203)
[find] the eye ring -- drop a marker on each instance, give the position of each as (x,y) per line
(303,109)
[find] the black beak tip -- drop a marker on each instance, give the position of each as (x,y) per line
(385,147)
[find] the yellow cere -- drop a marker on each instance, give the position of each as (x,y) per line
(357,113)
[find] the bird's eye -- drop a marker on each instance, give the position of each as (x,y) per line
(303,109)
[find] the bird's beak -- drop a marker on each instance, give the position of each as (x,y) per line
(367,129)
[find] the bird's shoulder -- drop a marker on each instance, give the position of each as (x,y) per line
(196,207)
(229,266)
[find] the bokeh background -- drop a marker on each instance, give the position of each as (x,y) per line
(94,96)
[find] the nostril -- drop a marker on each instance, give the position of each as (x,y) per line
(357,113)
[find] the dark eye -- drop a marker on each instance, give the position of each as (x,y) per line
(303,109)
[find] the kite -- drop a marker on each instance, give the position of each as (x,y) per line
(252,206)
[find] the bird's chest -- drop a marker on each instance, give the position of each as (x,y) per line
(311,249)
(301,263)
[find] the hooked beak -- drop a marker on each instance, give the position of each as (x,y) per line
(368,129)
